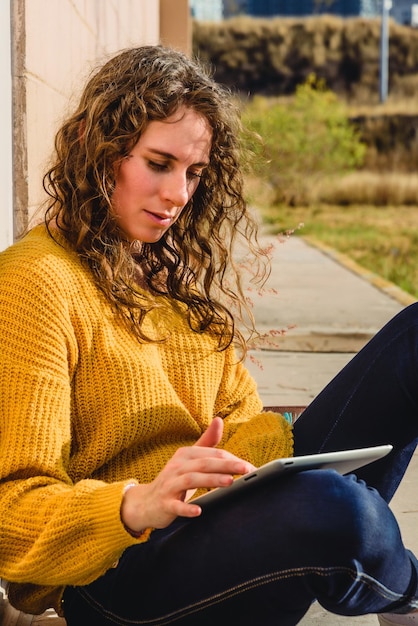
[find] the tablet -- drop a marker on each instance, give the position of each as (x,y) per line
(343,461)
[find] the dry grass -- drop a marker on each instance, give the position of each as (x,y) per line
(370,188)
(272,56)
(401,100)
(388,189)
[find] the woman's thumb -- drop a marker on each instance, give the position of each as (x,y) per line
(212,435)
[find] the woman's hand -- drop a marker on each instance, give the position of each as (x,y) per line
(158,503)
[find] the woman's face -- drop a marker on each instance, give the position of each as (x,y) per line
(160,175)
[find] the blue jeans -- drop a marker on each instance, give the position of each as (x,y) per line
(316,535)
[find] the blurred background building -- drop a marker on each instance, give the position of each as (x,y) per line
(211,10)
(403,11)
(344,8)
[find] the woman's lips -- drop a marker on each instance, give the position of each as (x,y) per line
(162,219)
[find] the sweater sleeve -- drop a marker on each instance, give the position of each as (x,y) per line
(43,512)
(249,432)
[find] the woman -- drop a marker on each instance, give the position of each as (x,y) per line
(123,395)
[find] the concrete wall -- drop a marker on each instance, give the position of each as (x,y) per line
(56,43)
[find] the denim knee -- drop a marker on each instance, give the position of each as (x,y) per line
(342,517)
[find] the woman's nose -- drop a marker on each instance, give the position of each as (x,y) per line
(175,189)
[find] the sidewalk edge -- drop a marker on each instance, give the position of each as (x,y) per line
(389,288)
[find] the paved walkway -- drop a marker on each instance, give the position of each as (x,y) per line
(331,307)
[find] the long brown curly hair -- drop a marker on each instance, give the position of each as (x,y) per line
(193,262)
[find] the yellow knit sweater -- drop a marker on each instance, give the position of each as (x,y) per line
(84,408)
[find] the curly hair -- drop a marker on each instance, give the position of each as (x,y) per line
(193,262)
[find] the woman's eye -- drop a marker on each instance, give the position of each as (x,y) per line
(158,167)
(195,174)
(164,167)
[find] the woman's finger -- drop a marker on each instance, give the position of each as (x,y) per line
(212,435)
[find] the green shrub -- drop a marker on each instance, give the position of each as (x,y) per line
(303,141)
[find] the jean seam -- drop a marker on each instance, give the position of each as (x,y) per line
(187,611)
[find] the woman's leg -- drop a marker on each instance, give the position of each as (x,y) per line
(373,400)
(261,559)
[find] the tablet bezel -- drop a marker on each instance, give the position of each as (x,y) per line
(343,461)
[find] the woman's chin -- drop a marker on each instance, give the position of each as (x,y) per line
(146,236)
